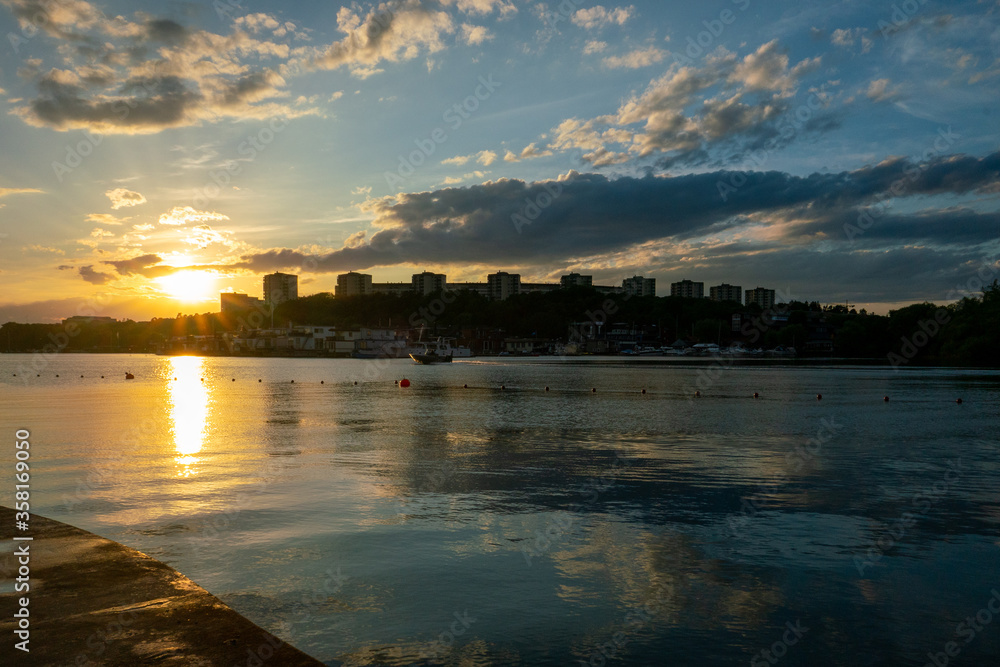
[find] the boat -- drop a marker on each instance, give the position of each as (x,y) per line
(430,357)
(129,376)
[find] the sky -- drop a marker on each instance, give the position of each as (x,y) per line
(155,154)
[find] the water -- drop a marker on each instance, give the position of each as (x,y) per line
(519,526)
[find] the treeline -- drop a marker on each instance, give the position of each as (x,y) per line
(962,333)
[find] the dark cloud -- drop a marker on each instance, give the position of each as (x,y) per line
(145,104)
(166,31)
(513,222)
(143,265)
(94,277)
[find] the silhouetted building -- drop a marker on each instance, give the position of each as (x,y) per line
(576,280)
(396,289)
(639,286)
(539,288)
(280,287)
(688,289)
(428,283)
(482,289)
(726,292)
(353,284)
(760,296)
(503,285)
(232,301)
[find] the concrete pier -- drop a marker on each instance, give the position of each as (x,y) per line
(96,602)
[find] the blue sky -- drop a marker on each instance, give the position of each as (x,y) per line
(153,154)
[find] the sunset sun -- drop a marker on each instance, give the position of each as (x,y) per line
(190,286)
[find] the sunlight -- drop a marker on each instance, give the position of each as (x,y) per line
(189,409)
(190,286)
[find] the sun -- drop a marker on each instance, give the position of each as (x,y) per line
(190,286)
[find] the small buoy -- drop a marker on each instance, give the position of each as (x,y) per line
(395,381)
(293,381)
(102,377)
(15,375)
(697,394)
(503,386)
(57,374)
(258,379)
(958,400)
(355,383)
(465,386)
(39,375)
(234,379)
(404,383)
(819,397)
(756,395)
(885,399)
(643,391)
(82,376)
(593,390)
(321,381)
(546,389)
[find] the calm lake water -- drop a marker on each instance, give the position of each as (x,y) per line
(447,525)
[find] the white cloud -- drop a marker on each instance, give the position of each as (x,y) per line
(105,219)
(636,59)
(598,17)
(882,90)
(485,158)
(186,215)
(122,198)
(594,46)
(475,34)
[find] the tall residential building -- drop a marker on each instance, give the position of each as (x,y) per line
(234,302)
(280,287)
(576,280)
(353,284)
(503,285)
(726,292)
(760,296)
(688,289)
(639,286)
(429,283)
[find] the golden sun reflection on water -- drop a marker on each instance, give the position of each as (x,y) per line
(189,409)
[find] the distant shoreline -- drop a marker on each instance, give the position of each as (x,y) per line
(646,359)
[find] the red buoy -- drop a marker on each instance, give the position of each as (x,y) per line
(697,394)
(819,397)
(756,395)
(546,389)
(885,399)
(404,383)
(643,391)
(593,390)
(959,401)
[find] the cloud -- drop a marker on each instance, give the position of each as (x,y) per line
(186,215)
(505,7)
(485,158)
(594,46)
(714,113)
(109,83)
(636,59)
(41,248)
(598,17)
(94,277)
(590,215)
(530,152)
(105,219)
(475,34)
(400,34)
(147,265)
(882,90)
(121,198)
(4,192)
